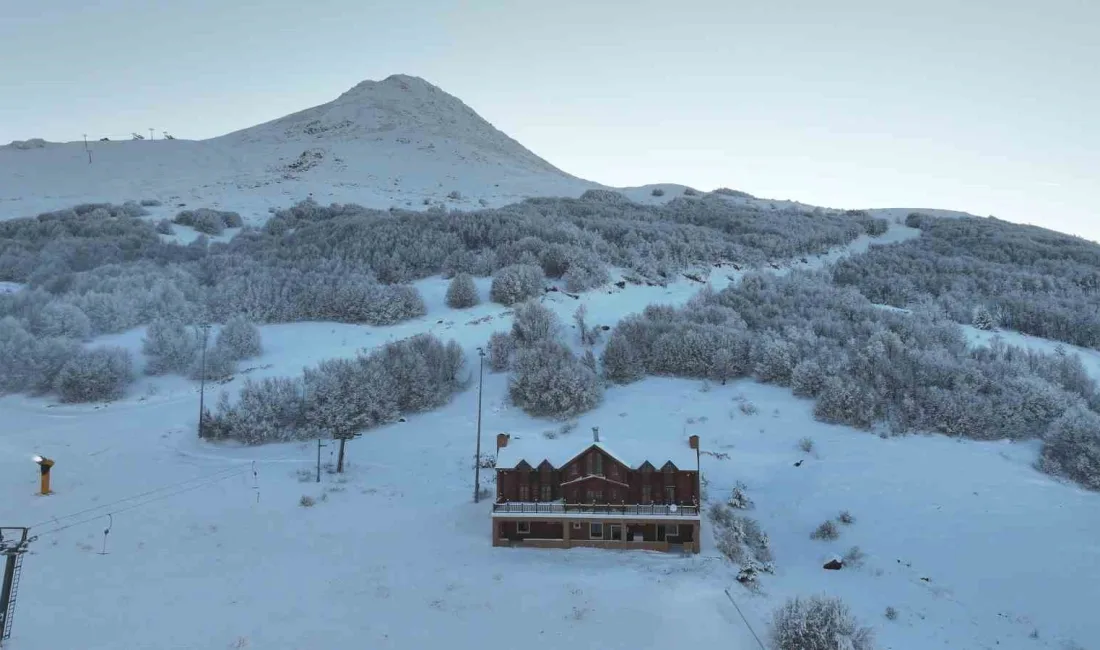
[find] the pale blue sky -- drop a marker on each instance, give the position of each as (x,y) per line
(986,106)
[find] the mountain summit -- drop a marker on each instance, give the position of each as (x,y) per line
(401,111)
(399,142)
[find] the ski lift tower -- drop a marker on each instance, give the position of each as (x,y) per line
(13,544)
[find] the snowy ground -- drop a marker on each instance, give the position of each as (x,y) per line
(216,552)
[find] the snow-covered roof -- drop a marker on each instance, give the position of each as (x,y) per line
(632,452)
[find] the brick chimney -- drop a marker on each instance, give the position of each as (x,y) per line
(595,434)
(502,440)
(693,442)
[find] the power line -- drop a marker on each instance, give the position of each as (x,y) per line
(139,504)
(758,641)
(206,480)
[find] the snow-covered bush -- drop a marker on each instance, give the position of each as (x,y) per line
(657,192)
(164,227)
(516,283)
(891,613)
(340,397)
(738,498)
(239,339)
(462,292)
(549,380)
(533,324)
(211,222)
(826,531)
(151,203)
(743,540)
(585,272)
(688,191)
(1071,448)
(806,445)
(818,623)
(854,557)
(171,347)
(94,375)
(62,319)
(501,347)
(846,517)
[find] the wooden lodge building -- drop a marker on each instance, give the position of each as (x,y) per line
(628,494)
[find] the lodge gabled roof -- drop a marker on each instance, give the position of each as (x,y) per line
(632,453)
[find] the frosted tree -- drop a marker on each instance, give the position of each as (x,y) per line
(516,283)
(170,346)
(1071,448)
(775,361)
(219,364)
(807,379)
(239,339)
(983,319)
(62,319)
(462,292)
(549,381)
(818,623)
(93,375)
(501,348)
(620,361)
(533,323)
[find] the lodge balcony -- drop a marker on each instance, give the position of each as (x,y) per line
(525,509)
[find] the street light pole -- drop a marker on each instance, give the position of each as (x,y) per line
(202,378)
(477,457)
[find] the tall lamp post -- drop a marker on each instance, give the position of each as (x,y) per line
(205,327)
(477,457)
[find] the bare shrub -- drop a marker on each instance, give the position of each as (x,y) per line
(845,517)
(307,501)
(806,445)
(891,613)
(854,557)
(826,531)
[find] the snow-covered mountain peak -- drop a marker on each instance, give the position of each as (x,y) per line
(400,110)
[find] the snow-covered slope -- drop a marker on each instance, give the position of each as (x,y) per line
(400,141)
(215,551)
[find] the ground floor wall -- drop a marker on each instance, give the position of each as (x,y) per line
(595,532)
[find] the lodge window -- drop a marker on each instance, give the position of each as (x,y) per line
(575,470)
(595,464)
(524,492)
(547,493)
(670,494)
(615,472)
(523,527)
(576,525)
(672,530)
(595,531)
(614,494)
(615,531)
(647,494)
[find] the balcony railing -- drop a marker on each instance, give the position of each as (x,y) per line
(557,508)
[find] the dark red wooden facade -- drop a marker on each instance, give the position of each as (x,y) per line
(598,477)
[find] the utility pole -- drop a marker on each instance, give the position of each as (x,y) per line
(477,455)
(13,544)
(205,327)
(151,136)
(319,445)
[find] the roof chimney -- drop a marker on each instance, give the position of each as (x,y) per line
(693,442)
(595,434)
(502,440)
